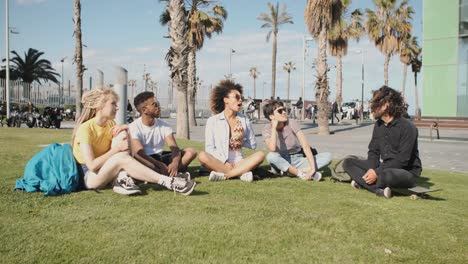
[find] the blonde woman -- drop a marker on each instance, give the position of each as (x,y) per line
(101,160)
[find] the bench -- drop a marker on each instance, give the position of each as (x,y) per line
(436,123)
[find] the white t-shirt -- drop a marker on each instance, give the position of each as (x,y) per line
(151,137)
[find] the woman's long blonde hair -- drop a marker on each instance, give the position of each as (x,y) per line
(93,101)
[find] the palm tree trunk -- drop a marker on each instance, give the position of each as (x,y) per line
(417,114)
(339,80)
(289,83)
(273,66)
(78,56)
(321,95)
(405,70)
(386,63)
(178,64)
(192,86)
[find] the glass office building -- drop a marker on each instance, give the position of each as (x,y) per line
(445,58)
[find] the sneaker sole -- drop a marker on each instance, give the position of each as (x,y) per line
(126,192)
(187,193)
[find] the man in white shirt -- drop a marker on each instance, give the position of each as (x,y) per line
(149,135)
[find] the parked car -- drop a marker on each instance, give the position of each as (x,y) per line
(347,106)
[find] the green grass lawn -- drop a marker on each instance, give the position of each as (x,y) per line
(281,220)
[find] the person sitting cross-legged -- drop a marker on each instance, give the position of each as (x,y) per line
(286,154)
(149,134)
(226,133)
(393,156)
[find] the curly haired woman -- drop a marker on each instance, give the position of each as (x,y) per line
(226,133)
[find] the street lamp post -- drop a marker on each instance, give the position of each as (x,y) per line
(362,82)
(61,90)
(304,43)
(231,51)
(7,39)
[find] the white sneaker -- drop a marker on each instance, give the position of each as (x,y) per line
(317,176)
(184,175)
(247,177)
(387,193)
(355,185)
(216,176)
(125,185)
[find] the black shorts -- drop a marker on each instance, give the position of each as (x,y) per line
(165,157)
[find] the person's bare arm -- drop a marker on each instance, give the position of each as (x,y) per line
(148,161)
(173,167)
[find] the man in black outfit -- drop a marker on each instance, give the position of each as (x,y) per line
(393,156)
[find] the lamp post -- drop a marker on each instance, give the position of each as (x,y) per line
(231,51)
(362,81)
(61,90)
(7,39)
(304,47)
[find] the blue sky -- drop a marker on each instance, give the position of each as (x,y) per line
(127,33)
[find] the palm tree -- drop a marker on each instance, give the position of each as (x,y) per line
(204,19)
(288,67)
(254,74)
(387,26)
(408,49)
(78,58)
(176,59)
(338,42)
(273,20)
(416,63)
(320,16)
(32,68)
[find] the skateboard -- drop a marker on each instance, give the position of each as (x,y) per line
(417,192)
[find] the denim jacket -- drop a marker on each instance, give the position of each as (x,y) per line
(217,136)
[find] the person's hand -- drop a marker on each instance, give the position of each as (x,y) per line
(370,177)
(173,169)
(274,123)
(115,130)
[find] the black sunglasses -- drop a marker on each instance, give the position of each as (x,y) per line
(155,104)
(237,97)
(280,110)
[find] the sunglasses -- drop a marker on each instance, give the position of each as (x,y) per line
(237,97)
(280,110)
(155,104)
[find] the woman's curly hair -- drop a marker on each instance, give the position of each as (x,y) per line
(396,104)
(221,91)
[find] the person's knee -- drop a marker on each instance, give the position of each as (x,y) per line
(347,163)
(271,157)
(190,153)
(260,156)
(203,157)
(327,157)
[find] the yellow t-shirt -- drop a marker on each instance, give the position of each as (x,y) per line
(99,137)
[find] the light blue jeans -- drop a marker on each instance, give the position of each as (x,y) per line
(298,161)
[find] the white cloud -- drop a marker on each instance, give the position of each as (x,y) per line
(30,2)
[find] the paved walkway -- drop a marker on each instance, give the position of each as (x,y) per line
(449,153)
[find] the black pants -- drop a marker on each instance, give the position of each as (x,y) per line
(398,178)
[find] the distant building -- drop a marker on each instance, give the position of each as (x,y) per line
(445,58)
